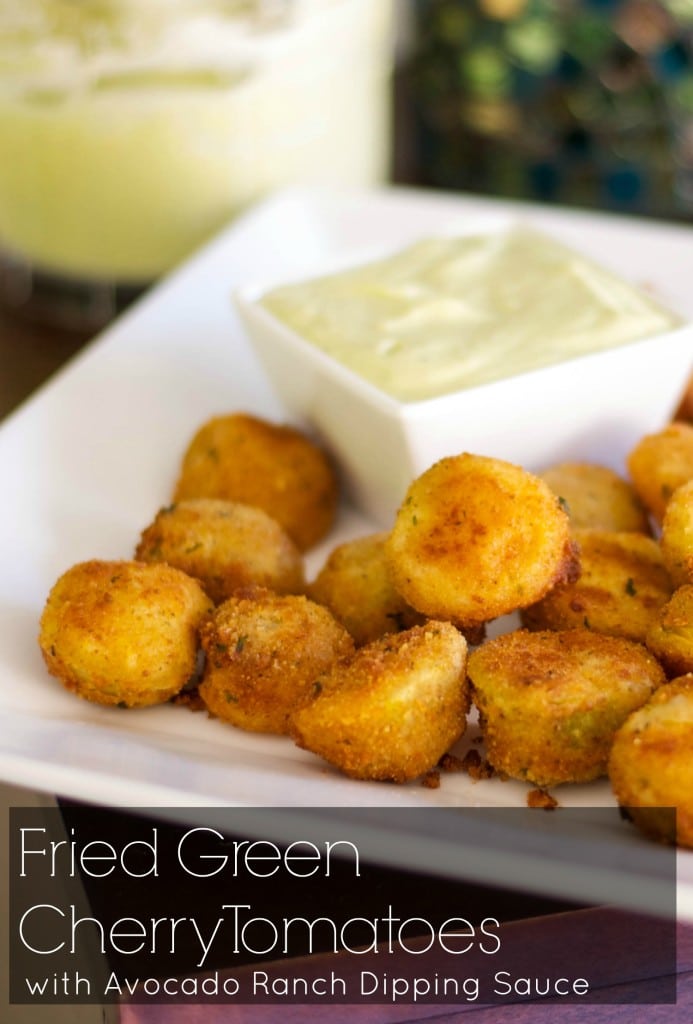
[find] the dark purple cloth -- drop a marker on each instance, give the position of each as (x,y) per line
(548,943)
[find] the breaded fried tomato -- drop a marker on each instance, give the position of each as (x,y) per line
(596,497)
(550,703)
(225,545)
(651,768)
(660,463)
(123,632)
(677,535)
(622,586)
(671,636)
(355,584)
(392,710)
(264,652)
(276,468)
(476,538)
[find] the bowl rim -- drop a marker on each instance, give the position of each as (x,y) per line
(247,299)
(256,316)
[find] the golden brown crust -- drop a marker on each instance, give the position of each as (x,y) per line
(393,709)
(622,586)
(651,768)
(670,637)
(549,703)
(241,458)
(225,545)
(596,497)
(123,632)
(660,463)
(477,538)
(677,535)
(540,798)
(264,653)
(356,585)
(476,766)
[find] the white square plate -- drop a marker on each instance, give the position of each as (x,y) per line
(86,463)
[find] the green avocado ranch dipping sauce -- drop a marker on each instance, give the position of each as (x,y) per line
(452,313)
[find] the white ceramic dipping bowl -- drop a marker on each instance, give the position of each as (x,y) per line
(593,407)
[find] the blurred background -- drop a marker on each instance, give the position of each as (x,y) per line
(133,130)
(581,102)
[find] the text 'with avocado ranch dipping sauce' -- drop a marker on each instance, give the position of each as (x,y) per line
(451,313)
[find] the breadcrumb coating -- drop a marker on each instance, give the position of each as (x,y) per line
(476,538)
(651,768)
(123,632)
(242,458)
(393,709)
(550,703)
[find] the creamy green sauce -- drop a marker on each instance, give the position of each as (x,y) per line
(453,313)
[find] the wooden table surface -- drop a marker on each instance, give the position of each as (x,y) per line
(29,354)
